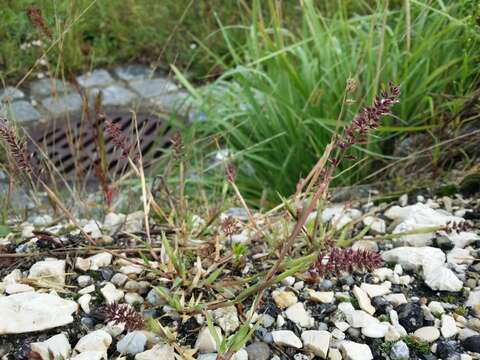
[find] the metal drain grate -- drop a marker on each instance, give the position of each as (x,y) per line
(72,148)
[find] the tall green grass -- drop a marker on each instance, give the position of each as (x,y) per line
(279,104)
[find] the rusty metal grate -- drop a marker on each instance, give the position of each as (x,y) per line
(72,149)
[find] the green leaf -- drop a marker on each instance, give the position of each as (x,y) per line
(4,230)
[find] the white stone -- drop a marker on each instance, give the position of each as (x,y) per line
(383,273)
(395,279)
(340,215)
(436,308)
(31,311)
(133,343)
(449,327)
(288,281)
(18,288)
(87,290)
(240,355)
(461,239)
(96,341)
(466,333)
(84,302)
(360,319)
(286,338)
(403,213)
(205,342)
(284,299)
(84,280)
(355,351)
(394,320)
(397,213)
(363,300)
(92,228)
(131,269)
(334,354)
(365,245)
(398,269)
(159,351)
(458,256)
(134,222)
(473,298)
(82,264)
(89,355)
(56,347)
(299,285)
(375,330)
(405,280)
(114,328)
(317,342)
(242,238)
(299,315)
(212,356)
(100,260)
(396,299)
(267,320)
(377,225)
(49,271)
(441,278)
(27,231)
(111,294)
(420,216)
(413,258)
(324,297)
(392,334)
(133,298)
(113,222)
(329,212)
(460,320)
(12,278)
(373,290)
(119,279)
(138,286)
(342,325)
(427,333)
(346,308)
(227,318)
(42,220)
(338,334)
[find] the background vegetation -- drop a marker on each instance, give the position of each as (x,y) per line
(282,99)
(94,33)
(279,67)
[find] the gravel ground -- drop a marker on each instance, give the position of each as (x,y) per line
(422,303)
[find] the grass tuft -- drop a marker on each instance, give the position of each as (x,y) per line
(281,100)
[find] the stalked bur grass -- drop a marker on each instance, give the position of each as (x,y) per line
(18,151)
(331,259)
(21,159)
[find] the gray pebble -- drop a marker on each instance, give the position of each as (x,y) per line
(258,351)
(400,351)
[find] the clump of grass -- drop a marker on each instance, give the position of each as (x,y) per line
(415,345)
(461,310)
(281,101)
